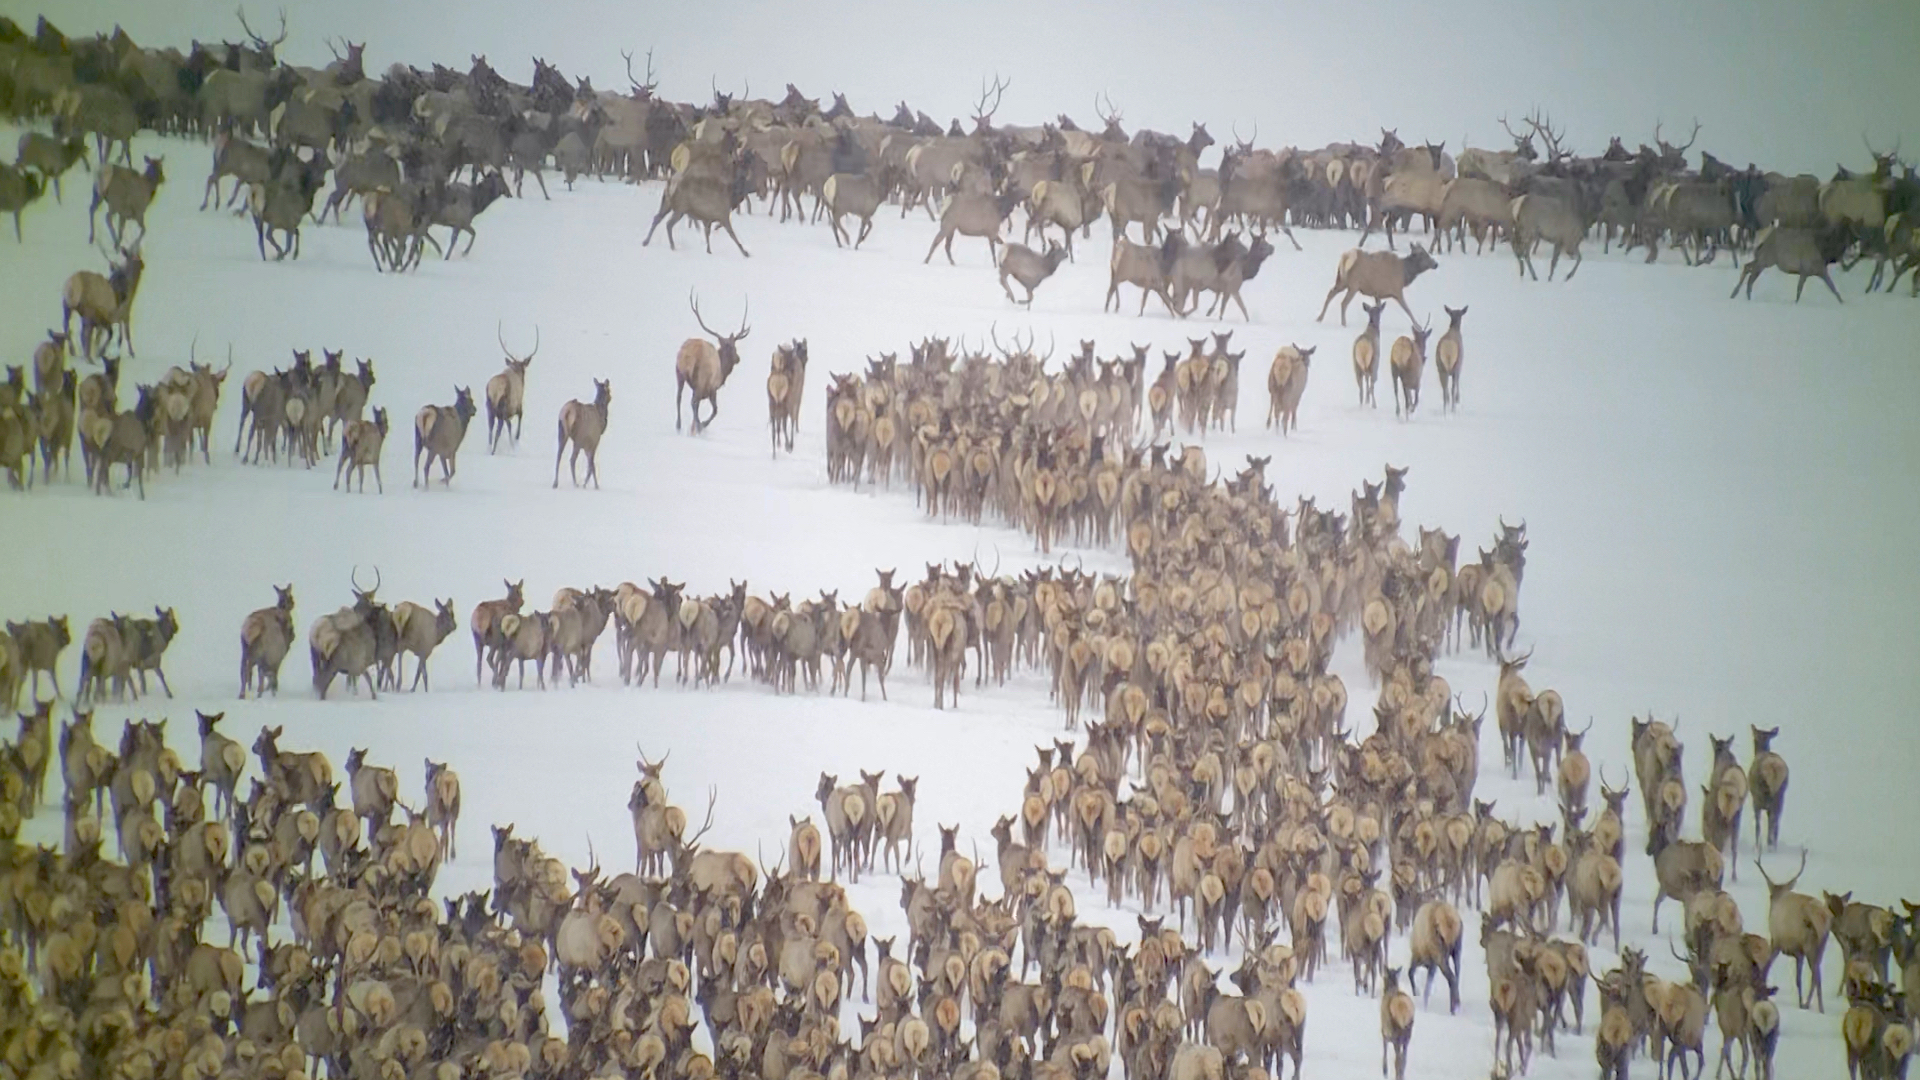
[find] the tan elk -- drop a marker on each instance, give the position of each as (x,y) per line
(485,620)
(1798,925)
(419,631)
(969,213)
(265,637)
(1366,352)
(1379,274)
(104,304)
(1286,383)
(1396,1024)
(443,806)
(786,382)
(360,445)
(1449,356)
(582,424)
(703,366)
(438,431)
(1767,778)
(126,194)
(507,392)
(1406,363)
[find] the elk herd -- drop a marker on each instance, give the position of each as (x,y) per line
(1207,778)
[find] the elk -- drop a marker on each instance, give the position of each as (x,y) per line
(123,439)
(279,204)
(703,366)
(126,194)
(485,620)
(1545,217)
(360,446)
(1028,267)
(1286,382)
(1379,274)
(248,163)
(1798,925)
(706,198)
(1802,252)
(1406,362)
(19,189)
(507,393)
(345,642)
(968,213)
(786,381)
(443,806)
(1147,266)
(1396,1024)
(582,424)
(1435,943)
(39,645)
(438,431)
(265,637)
(105,304)
(850,193)
(1449,356)
(51,157)
(418,632)
(1366,352)
(222,760)
(1767,778)
(456,205)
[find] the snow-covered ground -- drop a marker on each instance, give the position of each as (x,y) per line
(1720,497)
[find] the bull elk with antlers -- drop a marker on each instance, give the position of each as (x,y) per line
(507,393)
(703,366)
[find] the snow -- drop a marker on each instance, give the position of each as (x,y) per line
(1719,494)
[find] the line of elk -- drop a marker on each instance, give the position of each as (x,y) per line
(402,141)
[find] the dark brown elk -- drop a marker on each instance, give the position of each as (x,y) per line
(507,393)
(850,193)
(1381,275)
(1545,217)
(582,424)
(1028,267)
(1803,252)
(708,199)
(703,366)
(127,194)
(281,203)
(50,157)
(973,214)
(19,189)
(105,304)
(438,431)
(456,205)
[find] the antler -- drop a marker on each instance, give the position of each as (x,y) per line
(1517,137)
(1542,125)
(695,304)
(998,89)
(713,793)
(1691,136)
(639,87)
(746,309)
(1109,114)
(259,41)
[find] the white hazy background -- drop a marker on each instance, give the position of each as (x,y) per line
(1789,85)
